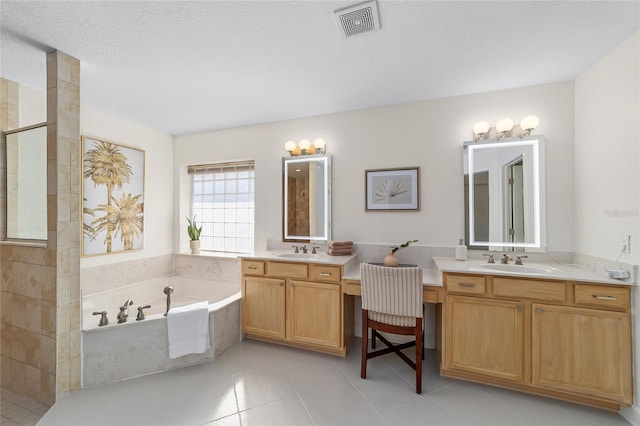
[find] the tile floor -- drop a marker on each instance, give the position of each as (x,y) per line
(256,383)
(16,409)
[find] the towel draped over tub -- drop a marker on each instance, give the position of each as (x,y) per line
(188,329)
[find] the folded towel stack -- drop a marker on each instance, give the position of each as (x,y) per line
(340,248)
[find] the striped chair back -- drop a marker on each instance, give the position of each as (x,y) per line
(396,293)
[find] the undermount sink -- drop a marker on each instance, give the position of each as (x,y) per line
(522,269)
(297,255)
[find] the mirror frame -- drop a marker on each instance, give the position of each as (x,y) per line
(326,161)
(539,217)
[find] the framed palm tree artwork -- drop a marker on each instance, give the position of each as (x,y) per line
(392,189)
(112,197)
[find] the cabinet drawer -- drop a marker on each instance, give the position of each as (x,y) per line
(602,296)
(467,284)
(288,270)
(552,291)
(325,273)
(253,267)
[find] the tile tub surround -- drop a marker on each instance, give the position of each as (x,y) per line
(141,347)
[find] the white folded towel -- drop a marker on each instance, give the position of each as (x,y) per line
(188,329)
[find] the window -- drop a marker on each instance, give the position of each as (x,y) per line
(223,203)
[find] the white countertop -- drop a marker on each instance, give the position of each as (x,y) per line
(547,270)
(288,256)
(430,277)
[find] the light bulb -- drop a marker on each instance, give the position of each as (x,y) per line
(504,125)
(481,128)
(319,144)
(529,123)
(304,144)
(290,146)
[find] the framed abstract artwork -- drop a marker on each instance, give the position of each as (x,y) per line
(112,197)
(392,189)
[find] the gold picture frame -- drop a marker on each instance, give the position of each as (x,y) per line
(392,189)
(112,197)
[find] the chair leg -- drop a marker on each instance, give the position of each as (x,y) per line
(365,343)
(373,339)
(423,327)
(419,355)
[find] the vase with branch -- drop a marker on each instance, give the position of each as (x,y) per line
(391,259)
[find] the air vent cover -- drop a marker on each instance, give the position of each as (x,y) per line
(358,19)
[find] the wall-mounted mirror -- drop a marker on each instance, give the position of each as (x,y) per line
(504,194)
(26,177)
(306,198)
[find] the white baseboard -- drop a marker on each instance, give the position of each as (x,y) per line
(632,414)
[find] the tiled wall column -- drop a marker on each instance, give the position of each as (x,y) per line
(63,141)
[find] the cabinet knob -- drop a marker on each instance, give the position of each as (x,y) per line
(519,308)
(325,274)
(253,267)
(281,284)
(538,311)
(467,285)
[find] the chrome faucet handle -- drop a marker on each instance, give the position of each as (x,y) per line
(124,311)
(304,249)
(296,249)
(141,313)
(505,259)
(519,259)
(491,259)
(314,250)
(103,319)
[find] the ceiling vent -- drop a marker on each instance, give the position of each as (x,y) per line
(358,19)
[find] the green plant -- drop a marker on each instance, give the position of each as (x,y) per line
(193,230)
(401,246)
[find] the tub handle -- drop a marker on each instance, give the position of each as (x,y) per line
(103,319)
(141,312)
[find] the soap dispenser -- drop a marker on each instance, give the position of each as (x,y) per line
(461,250)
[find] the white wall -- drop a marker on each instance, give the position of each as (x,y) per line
(607,154)
(158,190)
(607,172)
(428,134)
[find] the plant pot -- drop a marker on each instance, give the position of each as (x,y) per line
(391,260)
(195,246)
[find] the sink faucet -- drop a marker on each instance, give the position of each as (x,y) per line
(314,250)
(519,259)
(505,259)
(491,259)
(124,311)
(296,249)
(304,249)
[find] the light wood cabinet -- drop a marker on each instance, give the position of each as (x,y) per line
(263,307)
(297,304)
(585,351)
(314,313)
(485,336)
(557,338)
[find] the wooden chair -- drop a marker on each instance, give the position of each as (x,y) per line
(392,303)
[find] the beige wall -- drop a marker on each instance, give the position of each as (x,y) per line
(428,134)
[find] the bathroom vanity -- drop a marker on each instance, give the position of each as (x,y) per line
(297,301)
(566,334)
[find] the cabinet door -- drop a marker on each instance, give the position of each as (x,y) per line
(484,336)
(586,351)
(314,313)
(263,307)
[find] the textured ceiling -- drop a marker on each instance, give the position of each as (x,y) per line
(191,66)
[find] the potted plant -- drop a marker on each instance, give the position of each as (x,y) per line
(194,235)
(391,259)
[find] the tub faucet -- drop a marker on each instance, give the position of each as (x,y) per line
(168,290)
(124,311)
(141,313)
(103,318)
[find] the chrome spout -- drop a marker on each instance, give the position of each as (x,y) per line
(168,290)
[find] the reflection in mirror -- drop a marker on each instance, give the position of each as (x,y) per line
(306,198)
(504,194)
(26,157)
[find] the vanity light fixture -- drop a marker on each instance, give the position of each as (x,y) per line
(529,123)
(483,130)
(305,147)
